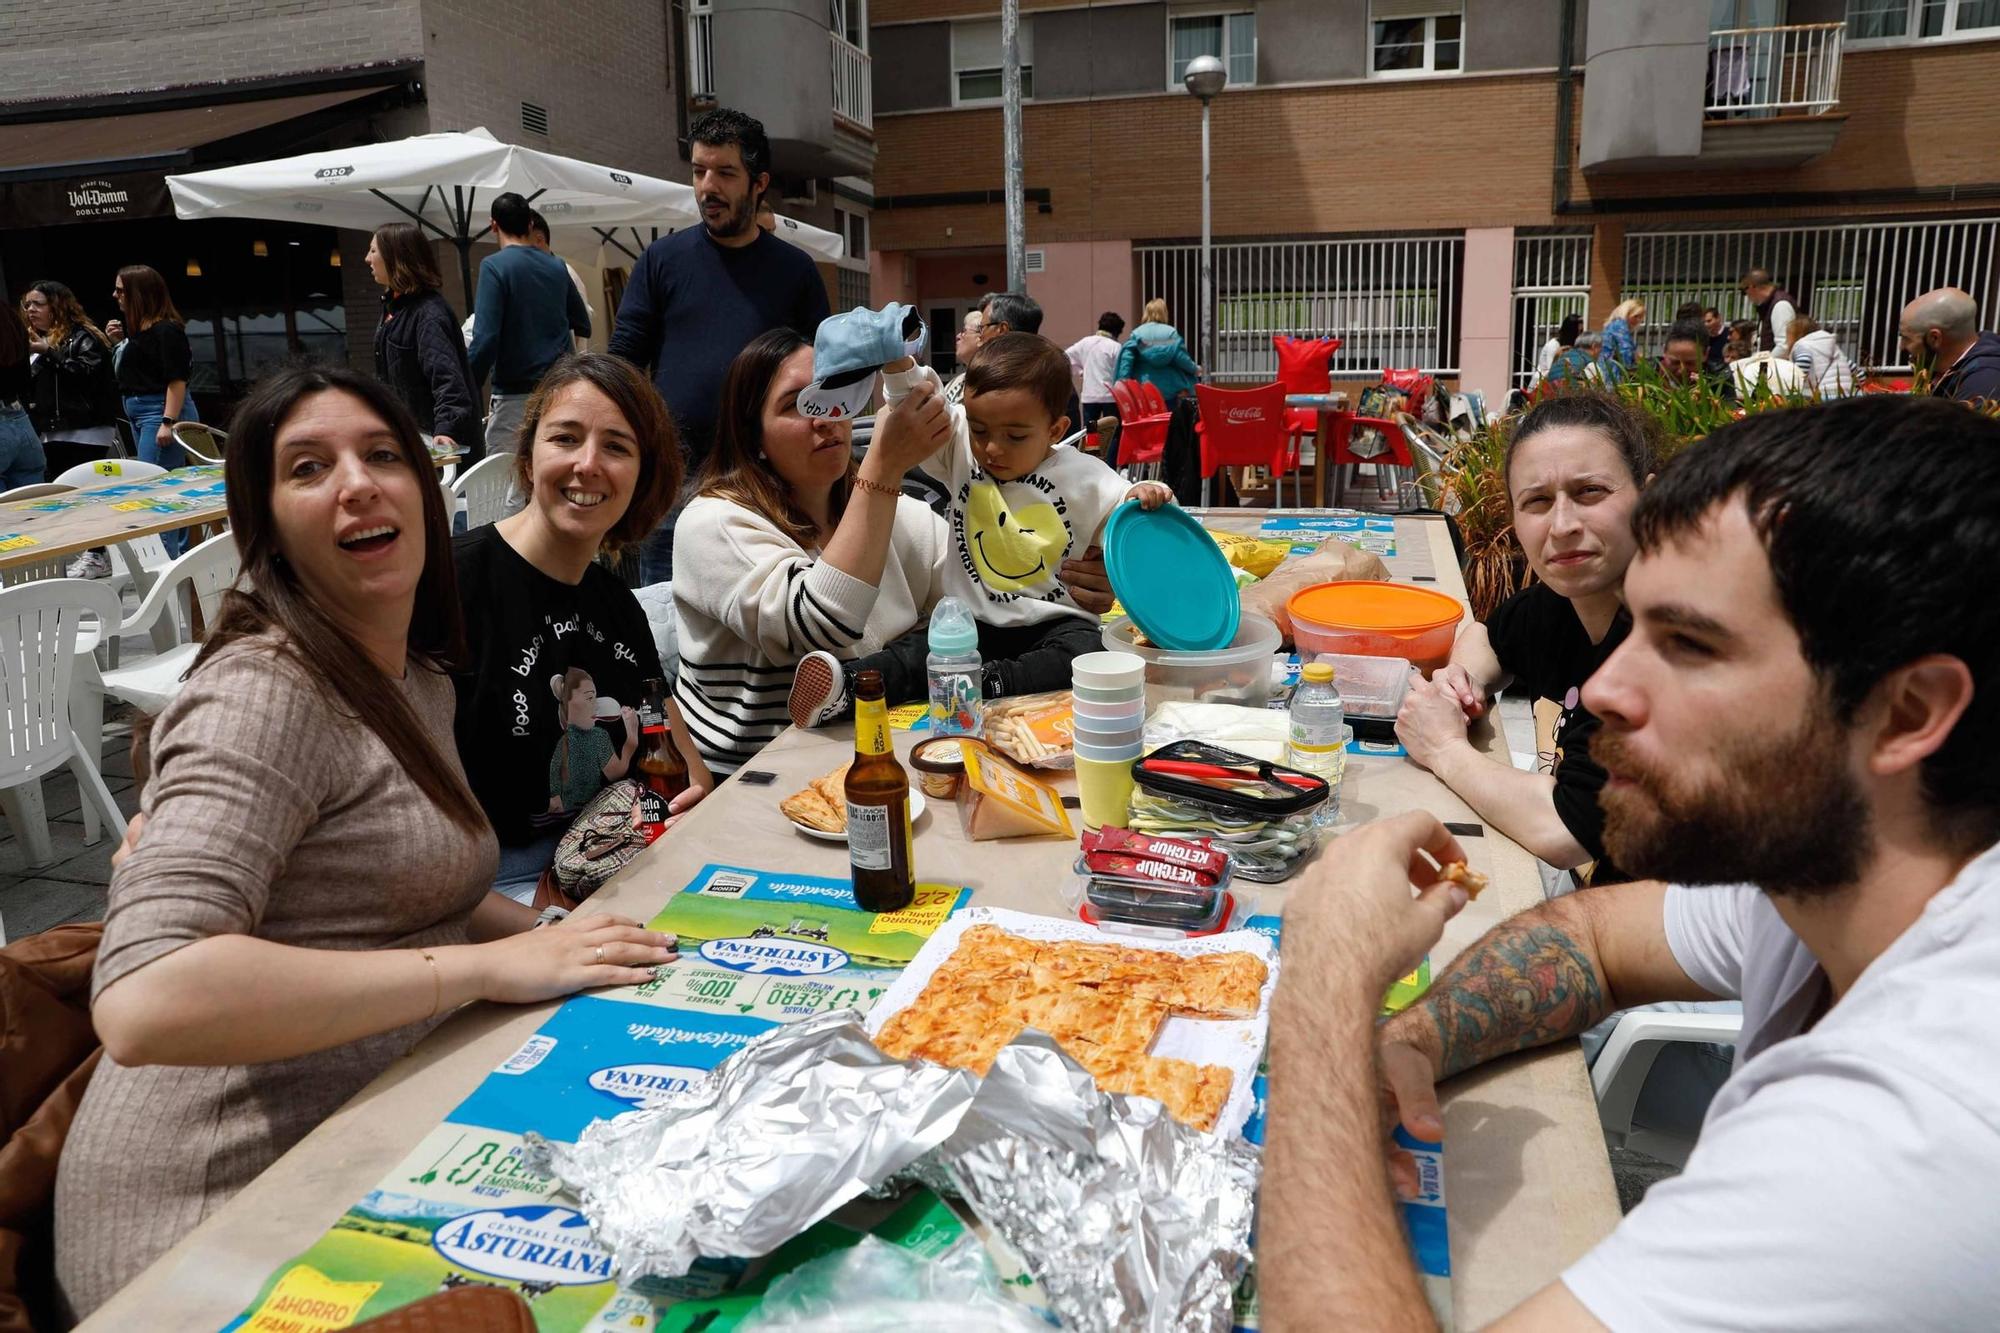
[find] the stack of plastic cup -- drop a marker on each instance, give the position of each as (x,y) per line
(1108,709)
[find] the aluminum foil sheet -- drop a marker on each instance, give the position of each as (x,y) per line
(796,1123)
(1127,1218)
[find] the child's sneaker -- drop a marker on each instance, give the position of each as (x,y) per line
(819,691)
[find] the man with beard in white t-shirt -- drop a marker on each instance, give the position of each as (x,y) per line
(1799,735)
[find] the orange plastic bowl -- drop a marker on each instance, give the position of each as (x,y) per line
(1371,618)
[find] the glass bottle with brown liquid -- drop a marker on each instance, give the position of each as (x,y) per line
(878,808)
(662,771)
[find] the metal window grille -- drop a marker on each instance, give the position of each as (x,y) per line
(1551,280)
(701,48)
(1852,278)
(1392,300)
(853,289)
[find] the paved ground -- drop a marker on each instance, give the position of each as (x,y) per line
(71,887)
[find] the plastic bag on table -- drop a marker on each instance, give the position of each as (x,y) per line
(1334,562)
(1032,729)
(876,1287)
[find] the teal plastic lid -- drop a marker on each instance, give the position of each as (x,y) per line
(953,633)
(1171,578)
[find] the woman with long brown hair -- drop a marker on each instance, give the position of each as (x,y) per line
(76,391)
(153,369)
(418,350)
(791,547)
(600,464)
(304,895)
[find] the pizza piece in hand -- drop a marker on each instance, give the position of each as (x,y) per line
(1466,877)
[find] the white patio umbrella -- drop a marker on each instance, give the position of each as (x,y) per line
(442,182)
(584,245)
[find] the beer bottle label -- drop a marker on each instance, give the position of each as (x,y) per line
(871,727)
(868,833)
(652,813)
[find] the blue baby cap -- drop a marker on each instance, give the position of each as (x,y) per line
(849,352)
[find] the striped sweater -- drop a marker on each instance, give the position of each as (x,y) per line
(749,602)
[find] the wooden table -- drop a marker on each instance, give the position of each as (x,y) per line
(1528,1181)
(50,526)
(1323,406)
(117,510)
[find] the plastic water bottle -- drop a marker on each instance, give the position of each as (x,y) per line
(1318,734)
(957,675)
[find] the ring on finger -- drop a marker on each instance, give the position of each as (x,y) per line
(600,953)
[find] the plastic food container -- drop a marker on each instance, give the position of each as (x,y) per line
(1238,674)
(1370,618)
(940,765)
(1266,821)
(1131,900)
(1371,688)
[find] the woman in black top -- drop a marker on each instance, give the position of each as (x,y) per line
(153,369)
(1574,467)
(418,350)
(75,394)
(20,447)
(543,620)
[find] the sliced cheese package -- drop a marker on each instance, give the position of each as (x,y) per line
(1001,800)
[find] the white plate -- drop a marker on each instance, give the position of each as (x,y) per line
(916,809)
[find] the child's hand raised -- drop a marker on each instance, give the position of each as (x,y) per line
(1150,494)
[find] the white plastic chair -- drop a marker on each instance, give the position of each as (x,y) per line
(484,487)
(205,573)
(1619,1074)
(136,561)
(35,490)
(41,643)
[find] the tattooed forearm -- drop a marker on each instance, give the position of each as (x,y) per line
(1526,984)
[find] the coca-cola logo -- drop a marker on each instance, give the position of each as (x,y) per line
(1240,415)
(332,173)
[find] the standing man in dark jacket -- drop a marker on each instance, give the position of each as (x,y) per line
(1940,334)
(418,351)
(700,295)
(526,312)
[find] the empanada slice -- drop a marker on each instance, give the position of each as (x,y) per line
(810,808)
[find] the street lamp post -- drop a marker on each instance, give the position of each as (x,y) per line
(1206,76)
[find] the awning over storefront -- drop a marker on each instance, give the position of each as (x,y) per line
(54,172)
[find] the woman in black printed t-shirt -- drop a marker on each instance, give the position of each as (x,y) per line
(542,618)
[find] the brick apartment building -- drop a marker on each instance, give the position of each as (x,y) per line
(1439,181)
(101,100)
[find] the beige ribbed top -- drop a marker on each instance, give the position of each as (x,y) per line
(271,814)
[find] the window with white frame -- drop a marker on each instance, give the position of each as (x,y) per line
(976,59)
(1230,37)
(1413,37)
(852,277)
(1914,20)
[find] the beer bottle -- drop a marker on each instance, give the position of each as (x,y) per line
(662,770)
(878,807)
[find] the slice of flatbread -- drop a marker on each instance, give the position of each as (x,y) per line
(1222,985)
(810,808)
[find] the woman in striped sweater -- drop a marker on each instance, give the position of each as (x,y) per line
(791,546)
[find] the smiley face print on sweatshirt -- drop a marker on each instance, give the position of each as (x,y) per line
(1012,548)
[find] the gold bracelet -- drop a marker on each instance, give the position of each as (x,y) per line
(437,986)
(876,486)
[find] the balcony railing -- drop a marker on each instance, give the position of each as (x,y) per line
(853,82)
(701,50)
(1791,71)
